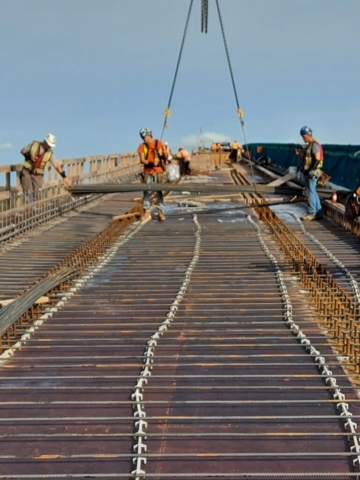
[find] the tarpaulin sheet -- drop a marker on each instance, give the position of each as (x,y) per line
(341,162)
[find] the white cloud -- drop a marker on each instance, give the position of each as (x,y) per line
(205,138)
(4,146)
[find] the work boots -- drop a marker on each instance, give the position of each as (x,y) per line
(308,217)
(146,216)
(161,216)
(311,217)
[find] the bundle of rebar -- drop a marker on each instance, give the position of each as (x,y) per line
(104,188)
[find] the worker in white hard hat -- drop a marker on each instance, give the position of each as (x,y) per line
(37,155)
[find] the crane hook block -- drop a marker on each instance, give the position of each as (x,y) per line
(167,112)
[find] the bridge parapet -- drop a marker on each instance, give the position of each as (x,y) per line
(17,215)
(92,169)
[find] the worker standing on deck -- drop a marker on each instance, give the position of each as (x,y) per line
(185,159)
(37,155)
(152,154)
(234,151)
(312,163)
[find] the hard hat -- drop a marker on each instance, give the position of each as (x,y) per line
(305,131)
(145,131)
(50,139)
(166,143)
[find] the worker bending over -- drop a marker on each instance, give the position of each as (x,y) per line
(312,163)
(37,156)
(153,155)
(185,159)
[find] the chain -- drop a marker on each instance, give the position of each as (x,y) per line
(204,15)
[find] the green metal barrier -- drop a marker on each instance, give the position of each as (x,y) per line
(341,162)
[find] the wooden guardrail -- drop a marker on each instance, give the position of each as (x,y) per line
(93,169)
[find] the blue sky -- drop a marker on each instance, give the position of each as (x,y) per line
(93,72)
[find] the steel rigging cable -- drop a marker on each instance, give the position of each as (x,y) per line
(168,111)
(240,113)
(204,28)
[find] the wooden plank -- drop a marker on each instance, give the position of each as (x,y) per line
(5,168)
(126,216)
(5,303)
(282,180)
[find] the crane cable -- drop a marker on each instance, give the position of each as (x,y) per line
(167,112)
(240,113)
(204,28)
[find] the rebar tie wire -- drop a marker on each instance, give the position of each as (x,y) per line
(139,412)
(323,366)
(67,270)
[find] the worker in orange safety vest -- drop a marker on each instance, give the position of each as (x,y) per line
(153,155)
(185,159)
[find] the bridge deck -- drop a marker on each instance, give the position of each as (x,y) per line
(178,353)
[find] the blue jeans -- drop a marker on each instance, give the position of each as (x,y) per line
(156,178)
(314,204)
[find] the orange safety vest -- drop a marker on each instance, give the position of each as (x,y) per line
(159,155)
(38,167)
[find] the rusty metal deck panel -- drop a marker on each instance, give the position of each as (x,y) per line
(25,260)
(232,393)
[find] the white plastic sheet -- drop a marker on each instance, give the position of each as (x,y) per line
(173,172)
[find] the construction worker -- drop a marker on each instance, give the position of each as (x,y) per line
(234,151)
(213,147)
(37,155)
(240,152)
(152,154)
(218,147)
(259,153)
(312,163)
(185,159)
(261,158)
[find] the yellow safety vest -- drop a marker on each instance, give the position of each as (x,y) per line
(37,168)
(309,158)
